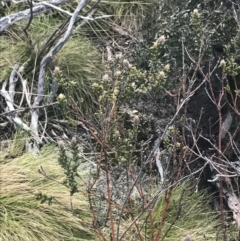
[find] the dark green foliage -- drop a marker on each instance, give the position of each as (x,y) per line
(196,33)
(44,198)
(70,166)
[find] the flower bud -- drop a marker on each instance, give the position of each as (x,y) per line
(118,56)
(61,144)
(161,39)
(105,77)
(222,63)
(195,12)
(167,67)
(162,75)
(136,120)
(117,133)
(56,70)
(74,140)
(61,97)
(126,63)
(118,73)
(110,59)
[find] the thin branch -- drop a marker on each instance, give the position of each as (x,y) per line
(161,138)
(37,9)
(45,60)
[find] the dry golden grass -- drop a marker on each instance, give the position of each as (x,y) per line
(22,217)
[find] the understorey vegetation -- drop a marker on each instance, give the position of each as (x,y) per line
(119,120)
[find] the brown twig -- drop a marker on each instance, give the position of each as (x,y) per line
(112,234)
(217,103)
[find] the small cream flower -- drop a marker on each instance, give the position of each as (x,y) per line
(155,45)
(162,75)
(118,73)
(118,56)
(61,97)
(222,63)
(105,77)
(117,133)
(167,67)
(110,59)
(136,120)
(115,91)
(195,10)
(161,39)
(74,140)
(57,70)
(95,85)
(61,144)
(126,63)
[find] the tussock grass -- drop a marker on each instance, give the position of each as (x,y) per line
(195,216)
(22,217)
(16,47)
(10,53)
(126,16)
(80,63)
(79,60)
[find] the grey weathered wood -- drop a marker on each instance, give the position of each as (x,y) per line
(41,79)
(38,8)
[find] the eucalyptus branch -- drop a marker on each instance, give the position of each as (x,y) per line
(46,59)
(37,9)
(12,82)
(8,95)
(71,14)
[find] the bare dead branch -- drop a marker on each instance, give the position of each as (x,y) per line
(38,8)
(46,59)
